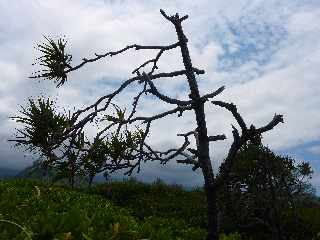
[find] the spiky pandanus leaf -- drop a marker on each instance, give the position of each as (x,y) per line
(43,125)
(54,61)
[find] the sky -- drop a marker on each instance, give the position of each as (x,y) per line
(266,53)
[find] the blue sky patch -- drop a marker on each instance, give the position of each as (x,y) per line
(247,41)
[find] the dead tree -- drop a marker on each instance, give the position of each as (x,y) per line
(57,66)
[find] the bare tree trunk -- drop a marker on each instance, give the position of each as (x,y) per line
(71,181)
(213,231)
(90,180)
(71,176)
(203,147)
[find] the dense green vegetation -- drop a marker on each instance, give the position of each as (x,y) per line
(266,195)
(129,209)
(32,209)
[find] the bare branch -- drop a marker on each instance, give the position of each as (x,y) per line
(179,109)
(156,59)
(274,122)
(169,100)
(183,18)
(162,97)
(213,94)
(217,138)
(136,100)
(160,115)
(113,53)
(186,134)
(175,152)
(152,155)
(175,19)
(247,134)
(190,161)
(225,167)
(233,109)
(193,151)
(166,16)
(128,82)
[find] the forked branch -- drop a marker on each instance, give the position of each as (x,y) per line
(239,140)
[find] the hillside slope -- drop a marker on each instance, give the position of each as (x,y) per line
(8,173)
(32,210)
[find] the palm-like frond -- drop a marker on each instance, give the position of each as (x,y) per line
(54,61)
(42,125)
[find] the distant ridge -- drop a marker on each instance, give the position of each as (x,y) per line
(6,173)
(36,172)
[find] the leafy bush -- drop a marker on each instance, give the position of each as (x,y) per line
(30,208)
(158,200)
(304,223)
(34,210)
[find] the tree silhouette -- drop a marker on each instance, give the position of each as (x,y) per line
(260,191)
(128,152)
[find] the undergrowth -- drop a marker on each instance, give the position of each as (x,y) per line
(34,210)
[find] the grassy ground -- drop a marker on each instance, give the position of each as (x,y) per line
(32,210)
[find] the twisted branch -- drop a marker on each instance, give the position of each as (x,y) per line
(239,140)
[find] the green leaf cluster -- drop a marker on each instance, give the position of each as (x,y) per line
(43,126)
(45,129)
(54,60)
(261,188)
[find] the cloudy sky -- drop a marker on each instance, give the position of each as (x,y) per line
(266,53)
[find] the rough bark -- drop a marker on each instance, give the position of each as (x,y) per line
(203,146)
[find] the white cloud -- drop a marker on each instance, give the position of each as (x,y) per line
(280,75)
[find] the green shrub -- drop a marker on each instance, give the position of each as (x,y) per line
(31,208)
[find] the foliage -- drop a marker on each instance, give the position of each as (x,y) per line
(54,60)
(261,189)
(158,200)
(302,223)
(135,210)
(43,126)
(57,213)
(43,132)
